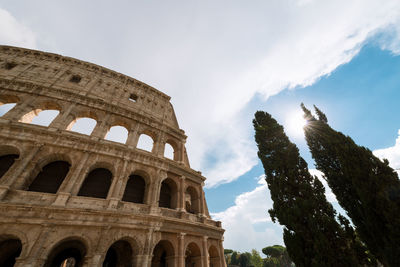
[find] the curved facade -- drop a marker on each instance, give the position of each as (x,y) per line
(79,199)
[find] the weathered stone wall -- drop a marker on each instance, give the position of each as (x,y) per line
(91,230)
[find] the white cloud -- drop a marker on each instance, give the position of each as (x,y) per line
(13,32)
(392,154)
(247,223)
(214,57)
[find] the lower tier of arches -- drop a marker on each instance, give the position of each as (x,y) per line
(31,243)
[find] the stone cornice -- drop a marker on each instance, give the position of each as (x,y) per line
(82,64)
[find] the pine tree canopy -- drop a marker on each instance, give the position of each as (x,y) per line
(366,187)
(312,235)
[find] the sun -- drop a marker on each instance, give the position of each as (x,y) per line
(294,124)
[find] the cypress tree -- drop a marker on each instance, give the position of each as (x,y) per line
(311,234)
(366,187)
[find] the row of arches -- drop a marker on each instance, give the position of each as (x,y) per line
(85,124)
(73,251)
(97,184)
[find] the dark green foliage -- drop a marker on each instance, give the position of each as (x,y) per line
(234,258)
(312,235)
(244,259)
(367,188)
(277,255)
(228,251)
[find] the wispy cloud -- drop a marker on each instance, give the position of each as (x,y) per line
(392,154)
(13,32)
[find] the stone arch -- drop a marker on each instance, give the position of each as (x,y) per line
(117,133)
(193,255)
(163,254)
(97,183)
(136,188)
(49,174)
(119,254)
(74,248)
(8,155)
(192,200)
(44,106)
(146,140)
(213,257)
(175,149)
(82,124)
(168,197)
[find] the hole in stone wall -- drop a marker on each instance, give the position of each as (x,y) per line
(9,250)
(6,161)
(39,117)
(84,125)
(96,184)
(4,108)
(169,151)
(133,97)
(134,190)
(119,254)
(145,142)
(66,251)
(75,78)
(10,65)
(117,134)
(50,178)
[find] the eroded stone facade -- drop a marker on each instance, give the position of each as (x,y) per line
(68,198)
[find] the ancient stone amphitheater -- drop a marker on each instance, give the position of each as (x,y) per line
(70,198)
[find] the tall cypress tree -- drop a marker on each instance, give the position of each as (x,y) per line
(311,234)
(366,187)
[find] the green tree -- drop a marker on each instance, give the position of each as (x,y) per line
(244,259)
(234,258)
(255,259)
(366,187)
(279,253)
(311,234)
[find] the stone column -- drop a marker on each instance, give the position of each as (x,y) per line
(61,121)
(221,253)
(133,136)
(100,131)
(64,192)
(181,249)
(19,110)
(116,186)
(181,198)
(159,146)
(202,201)
(16,170)
(205,251)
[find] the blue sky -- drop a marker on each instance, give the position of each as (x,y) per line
(220,61)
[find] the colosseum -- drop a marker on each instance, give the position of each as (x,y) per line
(73,196)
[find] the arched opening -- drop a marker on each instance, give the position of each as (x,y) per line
(50,177)
(214,260)
(119,255)
(67,253)
(40,117)
(135,189)
(117,134)
(163,255)
(168,194)
(145,142)
(192,201)
(192,256)
(4,108)
(82,125)
(10,249)
(169,151)
(7,102)
(96,184)
(6,161)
